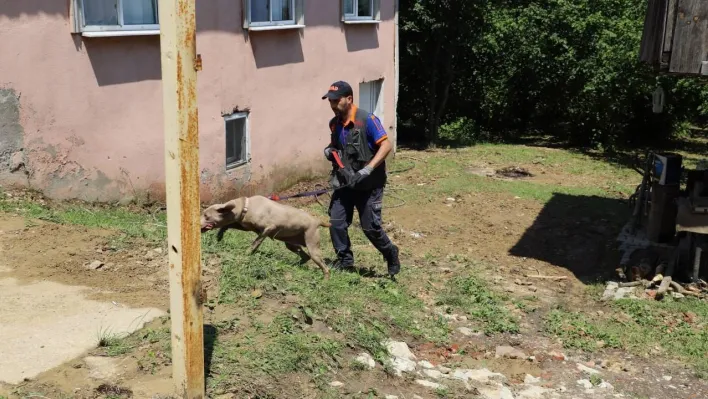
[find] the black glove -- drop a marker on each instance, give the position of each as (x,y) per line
(347,176)
(357,177)
(328,153)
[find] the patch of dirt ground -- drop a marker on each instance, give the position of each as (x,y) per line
(76,255)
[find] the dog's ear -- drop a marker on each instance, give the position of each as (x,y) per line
(227,207)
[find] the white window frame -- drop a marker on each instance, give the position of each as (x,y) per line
(354,18)
(376,87)
(233,164)
(297,8)
(111,30)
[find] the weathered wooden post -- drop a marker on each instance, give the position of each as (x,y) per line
(179,85)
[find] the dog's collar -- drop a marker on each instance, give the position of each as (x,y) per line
(245,209)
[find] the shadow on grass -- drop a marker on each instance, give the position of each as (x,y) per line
(575,232)
(210,336)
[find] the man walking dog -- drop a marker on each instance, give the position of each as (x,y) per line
(358,148)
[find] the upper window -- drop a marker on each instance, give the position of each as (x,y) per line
(270,14)
(139,16)
(360,10)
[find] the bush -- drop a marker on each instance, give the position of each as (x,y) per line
(568,68)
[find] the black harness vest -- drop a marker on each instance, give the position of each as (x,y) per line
(356,153)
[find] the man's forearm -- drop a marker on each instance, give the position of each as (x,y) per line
(384,149)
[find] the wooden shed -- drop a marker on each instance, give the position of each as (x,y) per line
(675,37)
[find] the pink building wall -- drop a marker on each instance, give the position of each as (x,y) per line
(82,117)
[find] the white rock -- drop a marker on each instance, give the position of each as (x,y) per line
(434,374)
(390,397)
(444,369)
(533,392)
(366,359)
(481,375)
(496,392)
(667,378)
(450,199)
(529,379)
(402,359)
(95,265)
(624,292)
(466,331)
(429,384)
(586,369)
(102,368)
(399,350)
(610,290)
(585,384)
(401,366)
(462,318)
(425,364)
(336,384)
(606,385)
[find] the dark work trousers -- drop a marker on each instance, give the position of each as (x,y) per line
(341,212)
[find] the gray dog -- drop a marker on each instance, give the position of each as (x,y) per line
(295,227)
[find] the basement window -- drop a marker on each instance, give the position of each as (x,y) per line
(237,142)
(361,11)
(96,18)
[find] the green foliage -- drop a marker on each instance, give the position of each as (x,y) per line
(640,327)
(471,295)
(568,68)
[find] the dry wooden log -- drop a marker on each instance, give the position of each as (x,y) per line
(666,281)
(643,283)
(676,286)
(692,287)
(663,287)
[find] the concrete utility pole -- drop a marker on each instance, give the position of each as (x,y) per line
(179,84)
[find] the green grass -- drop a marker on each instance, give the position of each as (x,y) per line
(641,327)
(363,311)
(452,178)
(130,224)
(470,295)
(114,344)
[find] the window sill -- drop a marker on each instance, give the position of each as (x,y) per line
(274,27)
(121,33)
(361,21)
(236,166)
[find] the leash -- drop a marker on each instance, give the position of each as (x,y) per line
(316,193)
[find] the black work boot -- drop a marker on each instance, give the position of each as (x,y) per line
(394,265)
(341,265)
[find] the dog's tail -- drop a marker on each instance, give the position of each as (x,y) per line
(325,224)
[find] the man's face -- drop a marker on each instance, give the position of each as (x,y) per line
(342,106)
